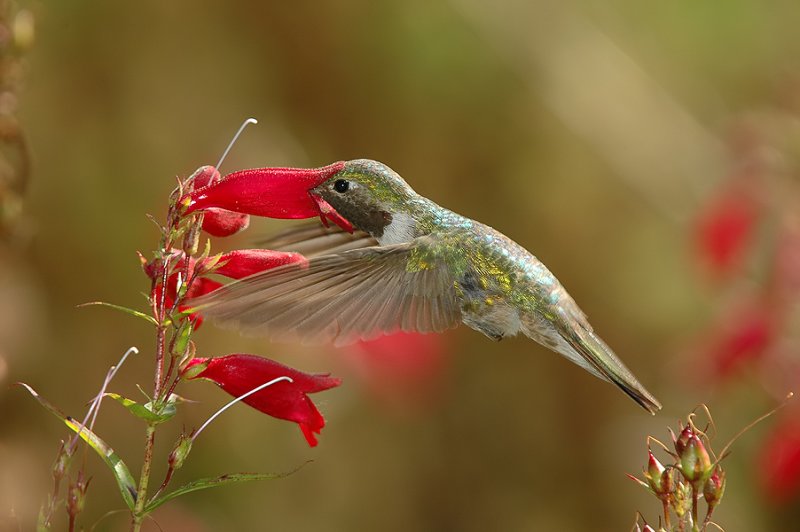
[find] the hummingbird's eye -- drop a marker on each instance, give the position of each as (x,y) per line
(341,186)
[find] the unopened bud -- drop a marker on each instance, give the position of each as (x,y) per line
(682,439)
(654,473)
(178,455)
(695,462)
(714,488)
(76,495)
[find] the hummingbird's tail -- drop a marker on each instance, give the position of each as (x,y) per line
(581,345)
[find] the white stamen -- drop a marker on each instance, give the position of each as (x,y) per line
(234,139)
(236,400)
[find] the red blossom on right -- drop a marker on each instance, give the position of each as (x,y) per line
(779,462)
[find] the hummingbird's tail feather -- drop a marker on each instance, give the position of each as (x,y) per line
(604,363)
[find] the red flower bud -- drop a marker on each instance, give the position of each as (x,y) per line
(238,374)
(270,192)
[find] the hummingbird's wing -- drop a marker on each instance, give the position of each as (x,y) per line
(315,239)
(343,297)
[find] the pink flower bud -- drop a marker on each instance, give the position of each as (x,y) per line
(238,374)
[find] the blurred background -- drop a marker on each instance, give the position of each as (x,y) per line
(649,155)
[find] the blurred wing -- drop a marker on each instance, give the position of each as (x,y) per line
(315,239)
(344,297)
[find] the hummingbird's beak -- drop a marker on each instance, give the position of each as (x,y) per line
(327,212)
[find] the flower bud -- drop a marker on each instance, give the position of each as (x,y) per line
(182,448)
(76,495)
(714,488)
(654,474)
(682,439)
(695,462)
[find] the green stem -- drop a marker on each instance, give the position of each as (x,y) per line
(141,493)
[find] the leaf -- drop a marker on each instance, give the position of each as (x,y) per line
(145,411)
(126,310)
(205,483)
(127,485)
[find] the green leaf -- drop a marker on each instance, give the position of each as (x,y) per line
(126,310)
(146,411)
(127,485)
(205,483)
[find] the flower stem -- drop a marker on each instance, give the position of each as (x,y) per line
(141,493)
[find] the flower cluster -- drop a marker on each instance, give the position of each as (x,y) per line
(680,485)
(222,206)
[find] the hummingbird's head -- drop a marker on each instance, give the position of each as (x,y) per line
(368,194)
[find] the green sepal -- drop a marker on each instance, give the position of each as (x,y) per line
(125,481)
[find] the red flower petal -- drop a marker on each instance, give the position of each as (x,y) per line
(270,192)
(241,263)
(779,462)
(219,222)
(239,373)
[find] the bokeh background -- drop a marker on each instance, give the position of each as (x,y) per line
(648,154)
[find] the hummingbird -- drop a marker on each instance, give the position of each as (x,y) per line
(414,266)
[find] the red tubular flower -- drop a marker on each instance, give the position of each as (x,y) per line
(779,462)
(218,222)
(238,374)
(724,228)
(243,262)
(269,192)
